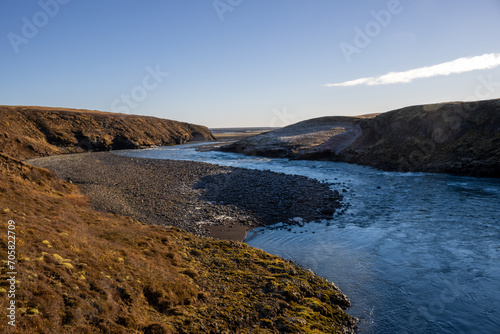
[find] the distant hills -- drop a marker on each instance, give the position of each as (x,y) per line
(461,138)
(41,131)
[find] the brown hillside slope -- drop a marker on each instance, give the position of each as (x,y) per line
(461,138)
(80,271)
(40,131)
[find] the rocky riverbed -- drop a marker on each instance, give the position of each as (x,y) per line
(208,200)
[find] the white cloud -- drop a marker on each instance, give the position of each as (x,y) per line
(461,65)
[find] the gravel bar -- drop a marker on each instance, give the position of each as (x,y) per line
(208,200)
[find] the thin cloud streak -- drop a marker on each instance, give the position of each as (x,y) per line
(461,65)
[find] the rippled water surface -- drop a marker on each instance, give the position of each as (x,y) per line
(415,253)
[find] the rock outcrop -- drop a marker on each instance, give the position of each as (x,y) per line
(461,138)
(40,131)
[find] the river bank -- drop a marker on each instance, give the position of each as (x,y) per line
(205,199)
(80,270)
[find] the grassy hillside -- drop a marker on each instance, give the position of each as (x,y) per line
(81,271)
(41,131)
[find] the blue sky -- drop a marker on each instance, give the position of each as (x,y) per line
(247,62)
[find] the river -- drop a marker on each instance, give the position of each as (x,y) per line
(415,252)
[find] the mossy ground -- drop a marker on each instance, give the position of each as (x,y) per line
(81,271)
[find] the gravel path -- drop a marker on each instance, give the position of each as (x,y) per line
(209,200)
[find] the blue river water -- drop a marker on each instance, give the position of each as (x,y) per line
(415,252)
